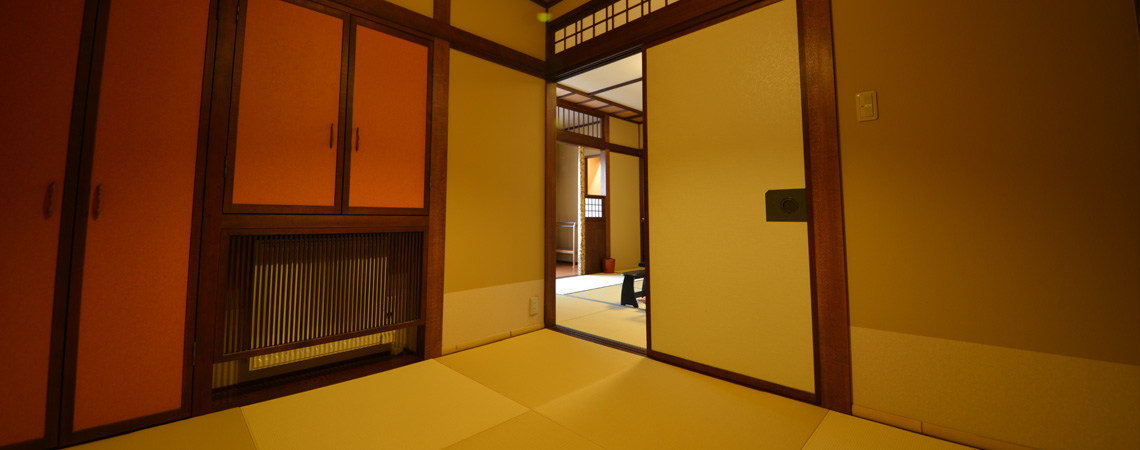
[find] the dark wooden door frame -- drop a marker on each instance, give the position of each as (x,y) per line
(826,245)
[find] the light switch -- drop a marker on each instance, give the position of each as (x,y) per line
(866,106)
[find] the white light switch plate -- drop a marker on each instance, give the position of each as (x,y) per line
(866,106)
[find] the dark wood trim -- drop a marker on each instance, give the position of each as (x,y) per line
(461,40)
(220,356)
(825,211)
(89,47)
(214,198)
(593,142)
(344,137)
(617,345)
(344,131)
(196,227)
(432,338)
(312,379)
(273,231)
(78,249)
(594,98)
(126,426)
(605,168)
(35,444)
(643,169)
(550,189)
(733,377)
(673,20)
(546,3)
(441,11)
(265,221)
(619,85)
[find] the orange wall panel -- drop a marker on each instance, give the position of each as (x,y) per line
(289,99)
(133,311)
(390,110)
(36,86)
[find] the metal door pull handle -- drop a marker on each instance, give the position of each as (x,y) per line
(98,199)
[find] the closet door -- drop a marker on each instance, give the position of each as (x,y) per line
(128,353)
(289,109)
(387,161)
(39,47)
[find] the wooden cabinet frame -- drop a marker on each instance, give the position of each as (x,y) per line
(345,124)
(219,218)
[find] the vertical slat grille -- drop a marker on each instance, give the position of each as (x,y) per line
(289,291)
(579,122)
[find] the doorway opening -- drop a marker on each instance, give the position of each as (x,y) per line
(598,256)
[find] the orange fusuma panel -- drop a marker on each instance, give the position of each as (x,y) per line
(39,47)
(289,103)
(133,311)
(390,110)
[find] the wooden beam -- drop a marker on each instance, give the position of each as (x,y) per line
(441,11)
(622,84)
(826,243)
(598,99)
(571,137)
(546,3)
(549,304)
(670,21)
(463,41)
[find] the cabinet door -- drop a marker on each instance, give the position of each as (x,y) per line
(130,358)
(387,162)
(288,108)
(39,47)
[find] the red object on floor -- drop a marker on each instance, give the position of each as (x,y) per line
(608,265)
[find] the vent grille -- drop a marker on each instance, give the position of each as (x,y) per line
(293,291)
(580,122)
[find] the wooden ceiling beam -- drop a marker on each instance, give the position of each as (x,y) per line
(599,99)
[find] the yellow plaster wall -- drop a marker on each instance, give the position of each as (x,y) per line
(425,7)
(625,214)
(728,288)
(493,255)
(565,6)
(1034,399)
(625,133)
(513,23)
(995,203)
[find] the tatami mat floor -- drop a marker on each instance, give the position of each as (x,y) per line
(542,390)
(596,308)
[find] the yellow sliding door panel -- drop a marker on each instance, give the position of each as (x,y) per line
(729,289)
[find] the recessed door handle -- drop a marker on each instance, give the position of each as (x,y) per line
(49,202)
(332,135)
(358,139)
(98,200)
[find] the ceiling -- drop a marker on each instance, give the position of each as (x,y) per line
(614,89)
